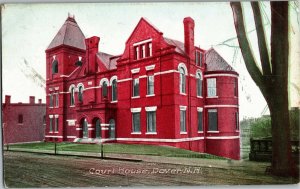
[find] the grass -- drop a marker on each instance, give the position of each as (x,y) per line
(136,149)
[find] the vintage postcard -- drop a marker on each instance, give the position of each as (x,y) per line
(150,94)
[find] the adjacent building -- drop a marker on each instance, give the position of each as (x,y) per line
(159,91)
(23,122)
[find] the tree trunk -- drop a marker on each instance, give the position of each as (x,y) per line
(282,162)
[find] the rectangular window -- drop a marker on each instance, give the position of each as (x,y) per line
(136,122)
(136,53)
(235,87)
(200,59)
(237,121)
(50,124)
(212,120)
(200,119)
(150,49)
(150,85)
(136,87)
(211,87)
(196,58)
(151,121)
(50,100)
(20,118)
(57,100)
(56,125)
(143,53)
(182,121)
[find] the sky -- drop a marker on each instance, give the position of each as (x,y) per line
(27,30)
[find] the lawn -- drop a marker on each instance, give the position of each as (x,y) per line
(136,149)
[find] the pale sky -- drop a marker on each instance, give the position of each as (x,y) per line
(29,28)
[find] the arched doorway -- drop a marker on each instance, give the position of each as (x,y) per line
(85,131)
(97,123)
(112,129)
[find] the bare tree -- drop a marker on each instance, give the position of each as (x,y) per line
(273,79)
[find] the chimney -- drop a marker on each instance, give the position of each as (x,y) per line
(7,99)
(189,26)
(40,101)
(31,100)
(91,53)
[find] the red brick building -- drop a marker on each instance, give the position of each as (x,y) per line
(160,91)
(23,122)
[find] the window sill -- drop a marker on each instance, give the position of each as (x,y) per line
(150,95)
(114,101)
(151,133)
(200,131)
(56,132)
(199,96)
(143,58)
(50,131)
(212,97)
(213,131)
(184,94)
(183,132)
(73,106)
(20,123)
(136,133)
(135,97)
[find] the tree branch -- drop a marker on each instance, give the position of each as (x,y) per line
(250,62)
(262,43)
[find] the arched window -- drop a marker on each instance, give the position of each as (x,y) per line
(80,93)
(112,128)
(182,80)
(199,84)
(72,96)
(114,90)
(55,67)
(85,133)
(98,128)
(104,89)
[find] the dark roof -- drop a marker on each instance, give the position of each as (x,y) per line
(69,34)
(178,44)
(108,60)
(215,62)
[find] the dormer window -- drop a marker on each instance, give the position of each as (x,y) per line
(143,49)
(198,58)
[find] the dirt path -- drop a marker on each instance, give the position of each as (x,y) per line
(37,170)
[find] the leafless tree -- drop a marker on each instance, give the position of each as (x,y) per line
(272,78)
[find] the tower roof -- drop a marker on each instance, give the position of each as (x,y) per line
(215,62)
(69,34)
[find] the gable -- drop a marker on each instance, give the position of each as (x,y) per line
(143,31)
